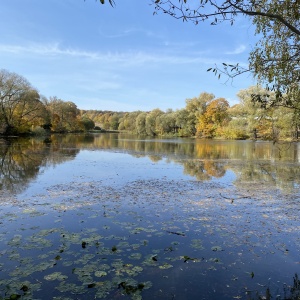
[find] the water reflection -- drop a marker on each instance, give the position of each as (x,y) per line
(277,165)
(22,159)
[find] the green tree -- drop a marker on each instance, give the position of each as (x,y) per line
(196,107)
(114,121)
(259,120)
(141,123)
(165,123)
(182,122)
(128,121)
(236,128)
(87,123)
(151,121)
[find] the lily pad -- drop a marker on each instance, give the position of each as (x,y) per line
(216,248)
(100,273)
(56,276)
(165,266)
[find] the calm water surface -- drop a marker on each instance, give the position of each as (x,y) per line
(112,216)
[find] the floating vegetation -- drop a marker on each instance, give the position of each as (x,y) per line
(100,273)
(135,256)
(216,248)
(186,258)
(148,239)
(56,276)
(197,244)
(165,266)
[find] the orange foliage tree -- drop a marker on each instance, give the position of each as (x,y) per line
(215,116)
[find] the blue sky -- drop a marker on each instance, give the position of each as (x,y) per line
(122,58)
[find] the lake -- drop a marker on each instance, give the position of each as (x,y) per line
(116,216)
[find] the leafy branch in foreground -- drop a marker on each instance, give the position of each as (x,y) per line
(274,61)
(111,2)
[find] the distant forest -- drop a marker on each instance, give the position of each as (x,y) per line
(207,117)
(24,111)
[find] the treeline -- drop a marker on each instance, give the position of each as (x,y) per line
(23,110)
(208,117)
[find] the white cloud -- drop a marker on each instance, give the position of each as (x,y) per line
(95,78)
(47,49)
(240,49)
(131,31)
(128,58)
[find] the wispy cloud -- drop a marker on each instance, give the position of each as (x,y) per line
(131,31)
(114,62)
(127,58)
(47,49)
(240,49)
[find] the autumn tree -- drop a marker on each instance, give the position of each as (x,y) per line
(196,107)
(215,116)
(64,115)
(20,105)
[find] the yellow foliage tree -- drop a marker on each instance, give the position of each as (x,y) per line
(216,115)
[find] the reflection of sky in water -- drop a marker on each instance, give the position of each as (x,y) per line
(107,167)
(228,178)
(142,205)
(113,159)
(115,167)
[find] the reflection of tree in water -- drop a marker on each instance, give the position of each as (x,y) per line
(214,168)
(147,146)
(283,176)
(210,150)
(196,169)
(252,162)
(19,164)
(203,170)
(71,140)
(62,148)
(155,158)
(22,159)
